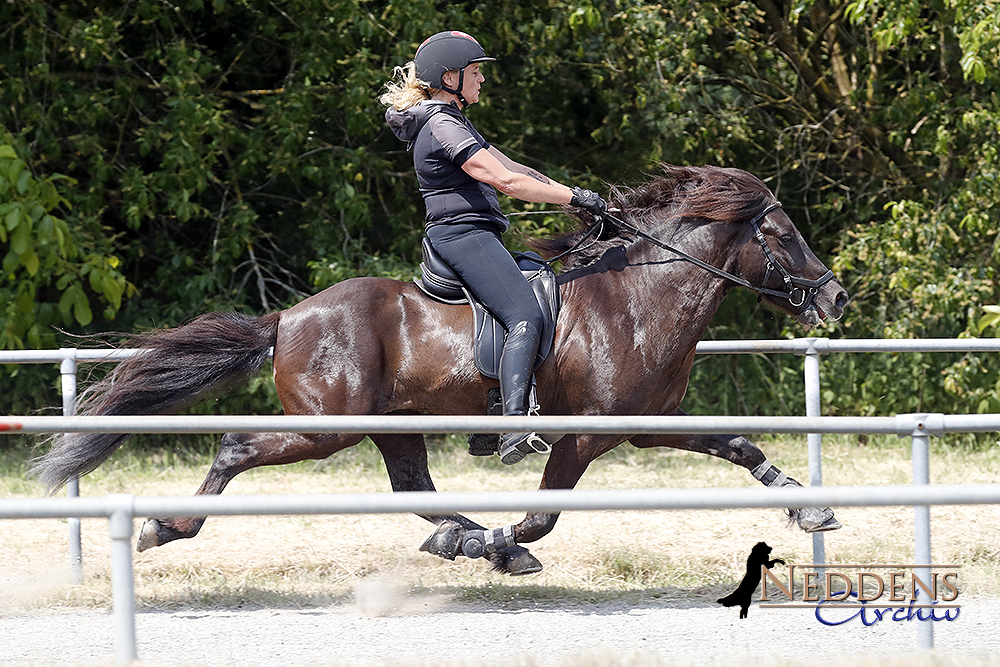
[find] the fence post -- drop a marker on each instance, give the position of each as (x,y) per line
(120,515)
(67,370)
(814,348)
(923,426)
(920,446)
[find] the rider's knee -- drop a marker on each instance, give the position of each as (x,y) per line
(529,319)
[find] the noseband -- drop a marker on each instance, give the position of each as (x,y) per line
(800,292)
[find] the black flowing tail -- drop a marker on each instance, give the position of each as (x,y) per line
(180,367)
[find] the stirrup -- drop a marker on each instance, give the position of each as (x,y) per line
(488,444)
(515,446)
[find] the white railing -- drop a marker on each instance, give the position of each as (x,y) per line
(810,348)
(122,509)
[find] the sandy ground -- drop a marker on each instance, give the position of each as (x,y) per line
(404,612)
(207,602)
(382,628)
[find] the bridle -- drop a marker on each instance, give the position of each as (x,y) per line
(793,284)
(800,292)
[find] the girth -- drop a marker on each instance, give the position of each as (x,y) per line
(440,282)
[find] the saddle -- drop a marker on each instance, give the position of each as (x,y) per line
(440,282)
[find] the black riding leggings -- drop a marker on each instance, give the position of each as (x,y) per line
(477,254)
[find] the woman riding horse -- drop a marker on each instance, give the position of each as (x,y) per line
(457,171)
(633,310)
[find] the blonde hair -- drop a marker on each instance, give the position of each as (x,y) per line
(405,90)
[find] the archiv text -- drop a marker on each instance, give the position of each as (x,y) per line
(867,593)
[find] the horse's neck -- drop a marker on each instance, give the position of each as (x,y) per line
(671,289)
(667,301)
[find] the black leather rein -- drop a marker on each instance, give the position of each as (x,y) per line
(800,292)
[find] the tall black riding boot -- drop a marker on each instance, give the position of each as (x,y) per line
(516,365)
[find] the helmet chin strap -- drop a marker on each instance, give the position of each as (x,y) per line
(458,91)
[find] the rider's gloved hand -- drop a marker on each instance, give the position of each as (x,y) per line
(589,201)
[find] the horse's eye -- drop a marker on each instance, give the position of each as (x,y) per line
(785,239)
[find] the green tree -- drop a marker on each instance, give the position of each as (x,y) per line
(52,271)
(876,124)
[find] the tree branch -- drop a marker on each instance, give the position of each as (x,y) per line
(875,140)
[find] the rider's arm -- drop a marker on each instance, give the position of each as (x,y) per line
(518,167)
(514,179)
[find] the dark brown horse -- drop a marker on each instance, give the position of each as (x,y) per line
(632,315)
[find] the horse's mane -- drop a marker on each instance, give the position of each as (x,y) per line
(703,194)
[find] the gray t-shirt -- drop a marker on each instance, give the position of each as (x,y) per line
(442,139)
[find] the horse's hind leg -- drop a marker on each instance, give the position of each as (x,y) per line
(739,450)
(405,459)
(240,452)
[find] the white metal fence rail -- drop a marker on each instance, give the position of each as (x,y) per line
(810,348)
(121,510)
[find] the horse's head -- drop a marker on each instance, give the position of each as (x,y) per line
(728,223)
(777,259)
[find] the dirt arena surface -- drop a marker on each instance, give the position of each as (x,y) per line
(619,589)
(384,627)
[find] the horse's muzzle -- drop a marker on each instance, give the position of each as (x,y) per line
(828,304)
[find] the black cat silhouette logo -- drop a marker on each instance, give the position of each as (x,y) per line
(744,592)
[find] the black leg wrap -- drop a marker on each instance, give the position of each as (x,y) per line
(809,519)
(477,543)
(768,475)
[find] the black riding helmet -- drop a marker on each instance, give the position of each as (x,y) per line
(446,51)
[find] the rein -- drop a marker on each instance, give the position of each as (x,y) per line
(800,292)
(598,225)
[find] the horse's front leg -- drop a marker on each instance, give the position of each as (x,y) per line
(739,450)
(238,453)
(405,459)
(567,463)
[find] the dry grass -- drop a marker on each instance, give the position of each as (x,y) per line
(307,561)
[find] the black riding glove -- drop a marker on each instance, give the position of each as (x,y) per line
(589,201)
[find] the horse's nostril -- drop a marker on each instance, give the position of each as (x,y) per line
(842,299)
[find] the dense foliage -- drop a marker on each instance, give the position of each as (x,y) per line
(159,159)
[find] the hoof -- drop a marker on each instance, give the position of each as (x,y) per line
(815,520)
(148,535)
(445,541)
(515,561)
(154,533)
